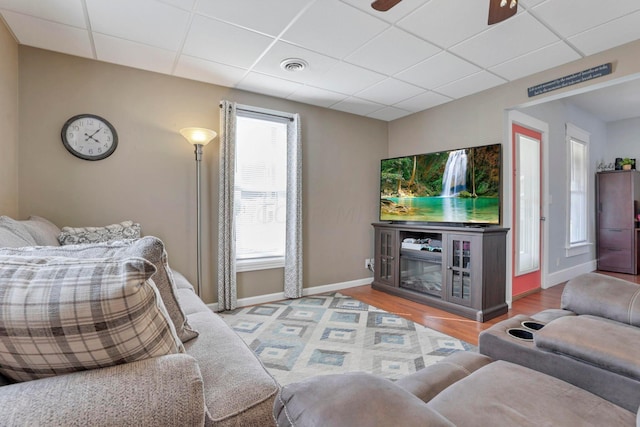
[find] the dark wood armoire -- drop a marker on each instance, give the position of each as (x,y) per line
(618,198)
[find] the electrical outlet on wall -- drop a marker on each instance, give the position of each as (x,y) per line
(368,264)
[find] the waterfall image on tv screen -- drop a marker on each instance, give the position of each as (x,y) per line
(457,186)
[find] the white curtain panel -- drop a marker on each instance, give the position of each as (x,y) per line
(227,288)
(293,251)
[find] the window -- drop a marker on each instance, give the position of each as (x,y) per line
(578,212)
(260,190)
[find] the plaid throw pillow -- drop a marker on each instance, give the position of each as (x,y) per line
(60,315)
(150,248)
(77,235)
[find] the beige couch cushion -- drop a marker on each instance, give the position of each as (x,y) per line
(238,389)
(61,315)
(13,234)
(43,231)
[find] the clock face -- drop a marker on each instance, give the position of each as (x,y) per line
(89,137)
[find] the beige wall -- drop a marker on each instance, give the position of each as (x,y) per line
(8,123)
(151,176)
(479,119)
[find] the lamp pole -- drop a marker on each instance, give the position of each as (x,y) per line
(198,153)
(199,137)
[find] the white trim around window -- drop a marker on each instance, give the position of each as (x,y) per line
(259,264)
(579,189)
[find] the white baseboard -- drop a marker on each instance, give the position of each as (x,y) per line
(569,273)
(262,299)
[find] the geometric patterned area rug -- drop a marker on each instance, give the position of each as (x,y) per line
(333,333)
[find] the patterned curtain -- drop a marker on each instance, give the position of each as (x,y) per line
(293,254)
(227,291)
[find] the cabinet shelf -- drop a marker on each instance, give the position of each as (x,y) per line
(467,276)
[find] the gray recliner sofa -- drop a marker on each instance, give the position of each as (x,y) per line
(592,341)
(217,381)
(464,389)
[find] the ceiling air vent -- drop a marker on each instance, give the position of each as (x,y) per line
(294,64)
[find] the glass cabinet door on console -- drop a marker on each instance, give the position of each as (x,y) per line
(386,262)
(459,269)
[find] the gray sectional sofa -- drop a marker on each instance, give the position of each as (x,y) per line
(464,389)
(215,379)
(592,341)
(577,365)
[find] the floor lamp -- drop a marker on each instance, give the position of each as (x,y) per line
(199,137)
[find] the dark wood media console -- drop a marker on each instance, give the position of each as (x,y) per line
(458,269)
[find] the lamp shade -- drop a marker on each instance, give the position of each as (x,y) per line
(198,136)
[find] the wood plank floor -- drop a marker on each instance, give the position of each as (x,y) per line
(457,326)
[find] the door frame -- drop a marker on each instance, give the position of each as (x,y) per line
(516,117)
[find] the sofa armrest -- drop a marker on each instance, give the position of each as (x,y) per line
(353,399)
(165,391)
(431,380)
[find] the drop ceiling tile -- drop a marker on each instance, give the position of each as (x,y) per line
(224,43)
(67,12)
(49,35)
(316,96)
(261,83)
(270,17)
(182,4)
(392,51)
(389,113)
(423,101)
(346,78)
(446,22)
(609,35)
(437,71)
(512,38)
(143,21)
(538,60)
(570,17)
(357,106)
(333,28)
(471,84)
(208,71)
(389,91)
(530,3)
(132,54)
(397,12)
(318,64)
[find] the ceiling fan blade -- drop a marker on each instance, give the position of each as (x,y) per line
(498,13)
(384,5)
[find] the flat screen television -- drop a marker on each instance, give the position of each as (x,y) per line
(461,187)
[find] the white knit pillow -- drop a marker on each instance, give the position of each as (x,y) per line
(77,235)
(60,315)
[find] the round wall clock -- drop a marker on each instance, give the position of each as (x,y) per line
(89,137)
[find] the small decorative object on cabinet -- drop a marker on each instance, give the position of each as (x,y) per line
(618,195)
(458,269)
(625,163)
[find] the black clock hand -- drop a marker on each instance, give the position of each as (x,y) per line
(90,137)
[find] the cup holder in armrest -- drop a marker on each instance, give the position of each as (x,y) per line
(521,334)
(532,325)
